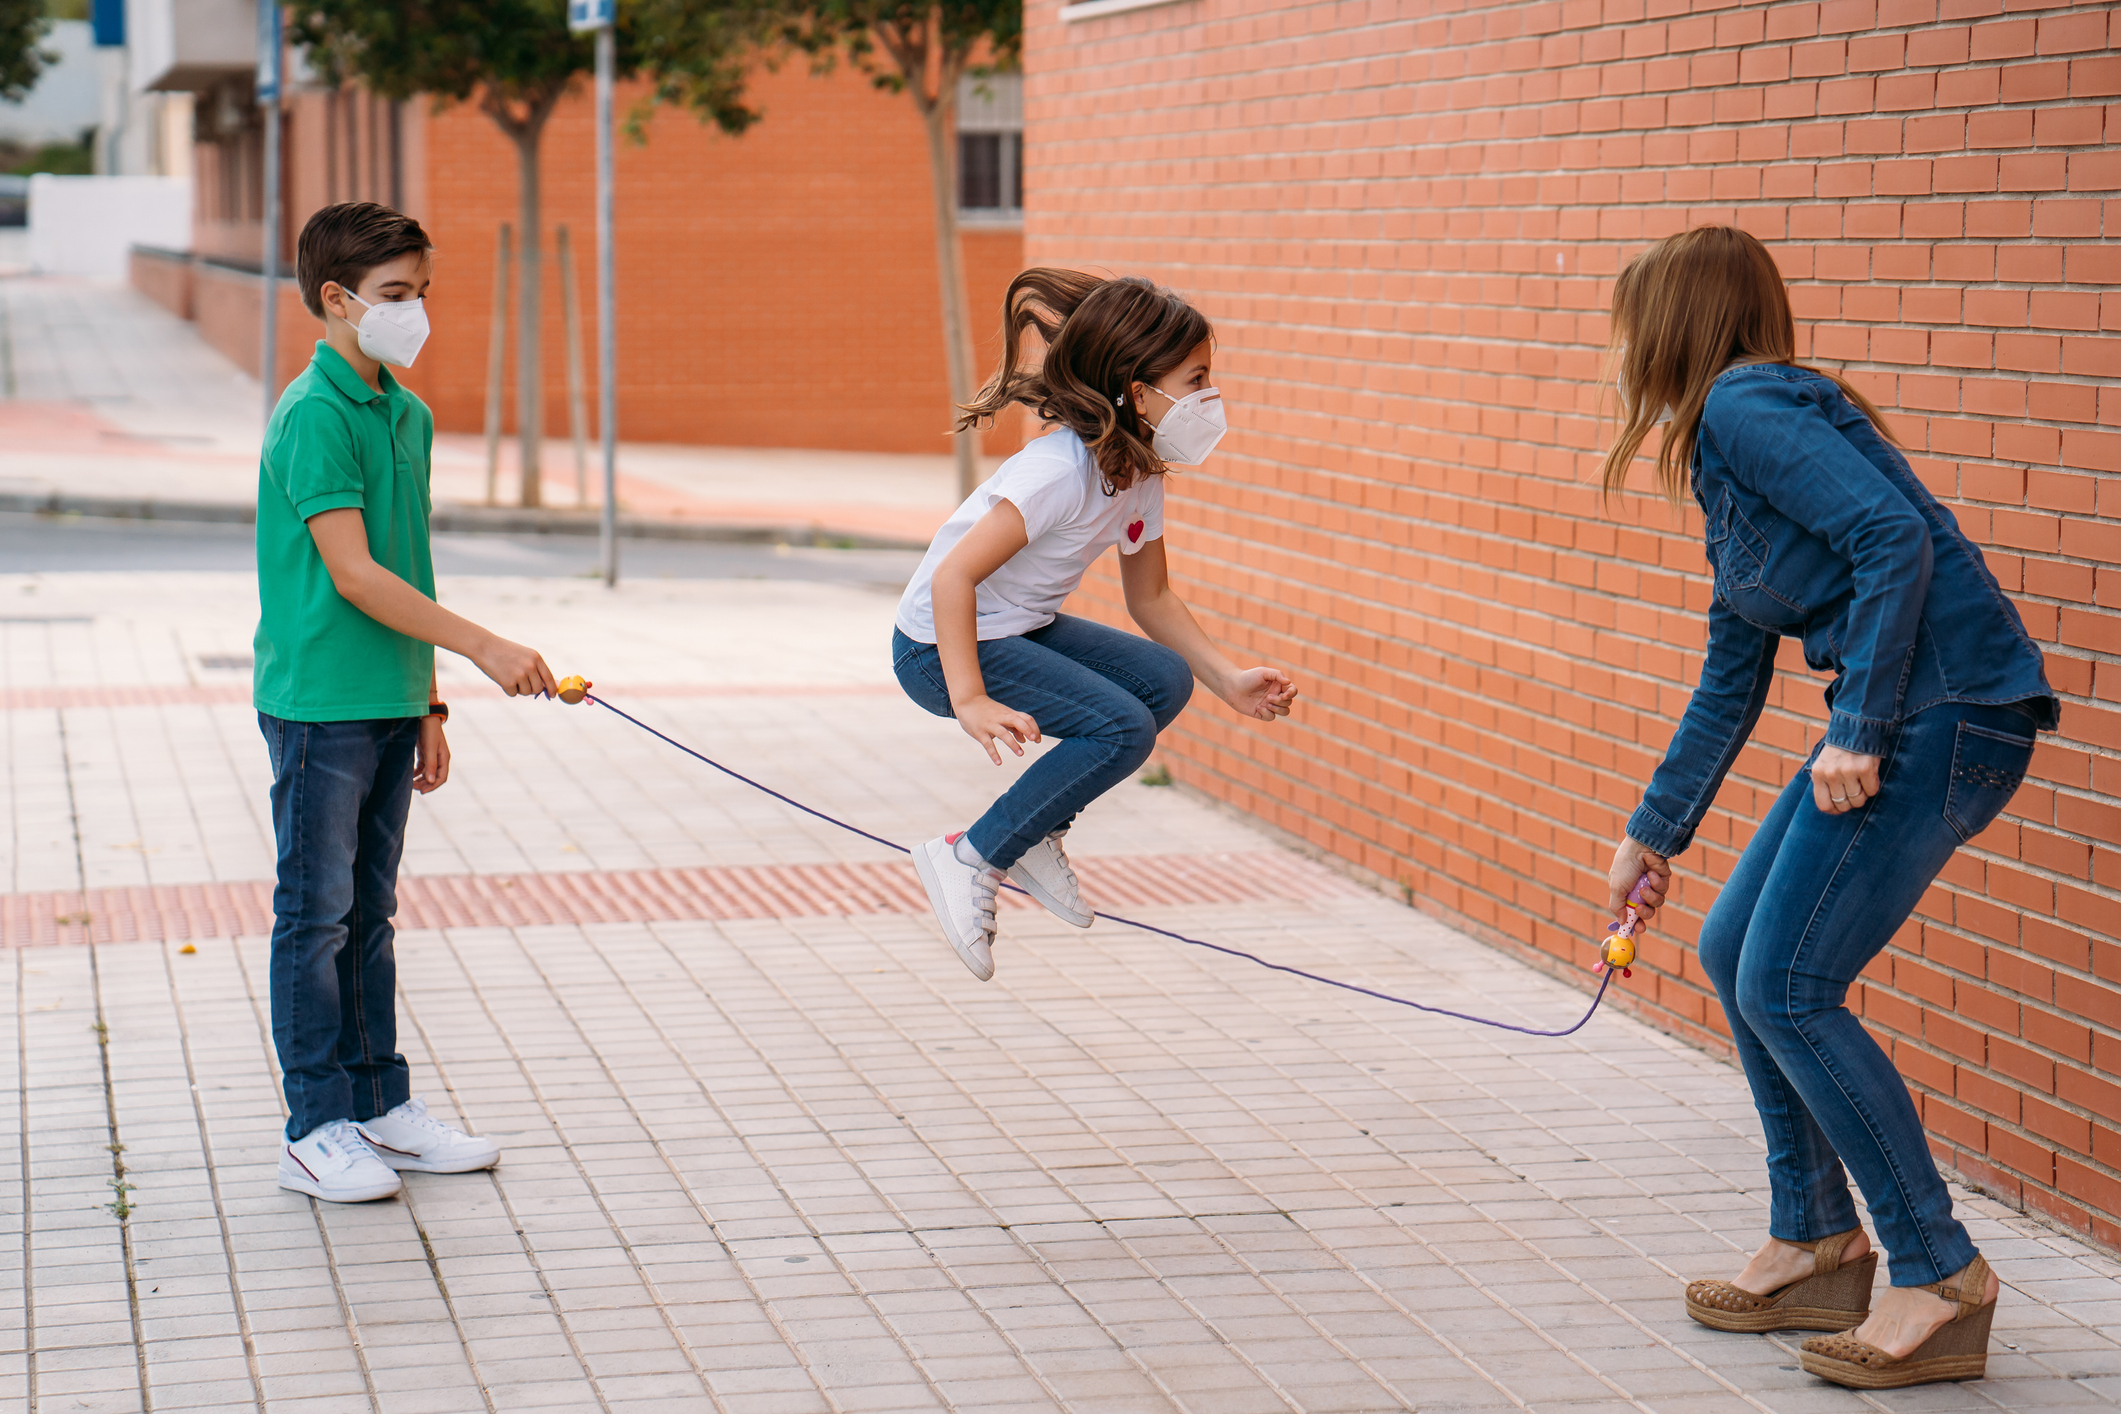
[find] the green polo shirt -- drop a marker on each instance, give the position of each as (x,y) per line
(335,442)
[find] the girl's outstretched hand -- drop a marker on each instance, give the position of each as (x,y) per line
(1265,693)
(1631,861)
(987,721)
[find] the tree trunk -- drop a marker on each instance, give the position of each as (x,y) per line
(940,117)
(530,287)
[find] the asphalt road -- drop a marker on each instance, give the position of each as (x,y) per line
(32,544)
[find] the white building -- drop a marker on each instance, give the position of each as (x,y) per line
(138,120)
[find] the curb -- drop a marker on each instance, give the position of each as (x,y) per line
(487,520)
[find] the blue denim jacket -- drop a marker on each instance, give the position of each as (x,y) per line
(1818,529)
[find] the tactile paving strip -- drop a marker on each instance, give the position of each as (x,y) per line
(221,910)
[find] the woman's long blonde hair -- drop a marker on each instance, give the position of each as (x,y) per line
(1684,310)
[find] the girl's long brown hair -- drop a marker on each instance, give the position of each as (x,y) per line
(1102,336)
(1684,310)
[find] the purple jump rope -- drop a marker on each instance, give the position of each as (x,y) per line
(1619,939)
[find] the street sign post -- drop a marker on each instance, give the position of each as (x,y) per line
(600,16)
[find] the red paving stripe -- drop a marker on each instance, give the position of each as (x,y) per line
(22,699)
(181,911)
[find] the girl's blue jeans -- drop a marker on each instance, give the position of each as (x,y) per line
(1814,898)
(340,795)
(1105,694)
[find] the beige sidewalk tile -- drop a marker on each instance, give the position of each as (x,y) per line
(805,1164)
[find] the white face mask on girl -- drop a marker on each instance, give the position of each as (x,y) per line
(1191,426)
(391,332)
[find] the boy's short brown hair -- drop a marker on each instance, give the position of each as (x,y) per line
(342,243)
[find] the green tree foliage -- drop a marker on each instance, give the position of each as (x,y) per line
(22,27)
(65,159)
(516,59)
(922,49)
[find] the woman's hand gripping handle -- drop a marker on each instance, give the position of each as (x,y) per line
(1636,889)
(1640,879)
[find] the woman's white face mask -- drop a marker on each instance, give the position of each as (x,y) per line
(1190,427)
(391,332)
(1620,386)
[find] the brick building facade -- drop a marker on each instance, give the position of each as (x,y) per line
(1405,220)
(777,289)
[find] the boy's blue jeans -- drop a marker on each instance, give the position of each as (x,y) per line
(1103,693)
(340,794)
(1814,898)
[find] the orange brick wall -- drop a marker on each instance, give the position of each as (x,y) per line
(226,305)
(1405,220)
(777,289)
(165,279)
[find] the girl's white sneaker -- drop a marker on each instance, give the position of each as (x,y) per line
(963,900)
(411,1138)
(334,1163)
(1044,873)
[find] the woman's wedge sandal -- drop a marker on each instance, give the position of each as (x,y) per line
(1956,1350)
(1833,1298)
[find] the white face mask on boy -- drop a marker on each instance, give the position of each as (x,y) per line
(1191,426)
(393,331)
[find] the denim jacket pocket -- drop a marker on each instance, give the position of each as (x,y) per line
(1736,550)
(1987,767)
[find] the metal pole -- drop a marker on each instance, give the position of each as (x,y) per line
(269,94)
(607,343)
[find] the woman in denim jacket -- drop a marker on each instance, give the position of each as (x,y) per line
(1818,530)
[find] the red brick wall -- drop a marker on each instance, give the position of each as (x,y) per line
(165,279)
(226,304)
(775,290)
(1405,220)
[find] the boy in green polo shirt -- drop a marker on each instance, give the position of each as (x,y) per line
(345,692)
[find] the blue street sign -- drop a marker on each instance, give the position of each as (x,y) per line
(108,19)
(268,53)
(591,14)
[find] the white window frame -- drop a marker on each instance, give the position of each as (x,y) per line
(993,103)
(1098,9)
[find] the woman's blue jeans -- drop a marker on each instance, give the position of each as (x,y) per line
(340,795)
(1105,694)
(1814,898)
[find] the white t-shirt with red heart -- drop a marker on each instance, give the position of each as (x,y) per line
(1054,483)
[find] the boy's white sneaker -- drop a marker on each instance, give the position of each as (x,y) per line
(1044,873)
(411,1138)
(332,1162)
(963,900)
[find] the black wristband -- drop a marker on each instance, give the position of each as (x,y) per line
(438,709)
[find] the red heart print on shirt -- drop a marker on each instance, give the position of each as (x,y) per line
(1134,533)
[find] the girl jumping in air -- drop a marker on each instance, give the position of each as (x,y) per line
(1123,394)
